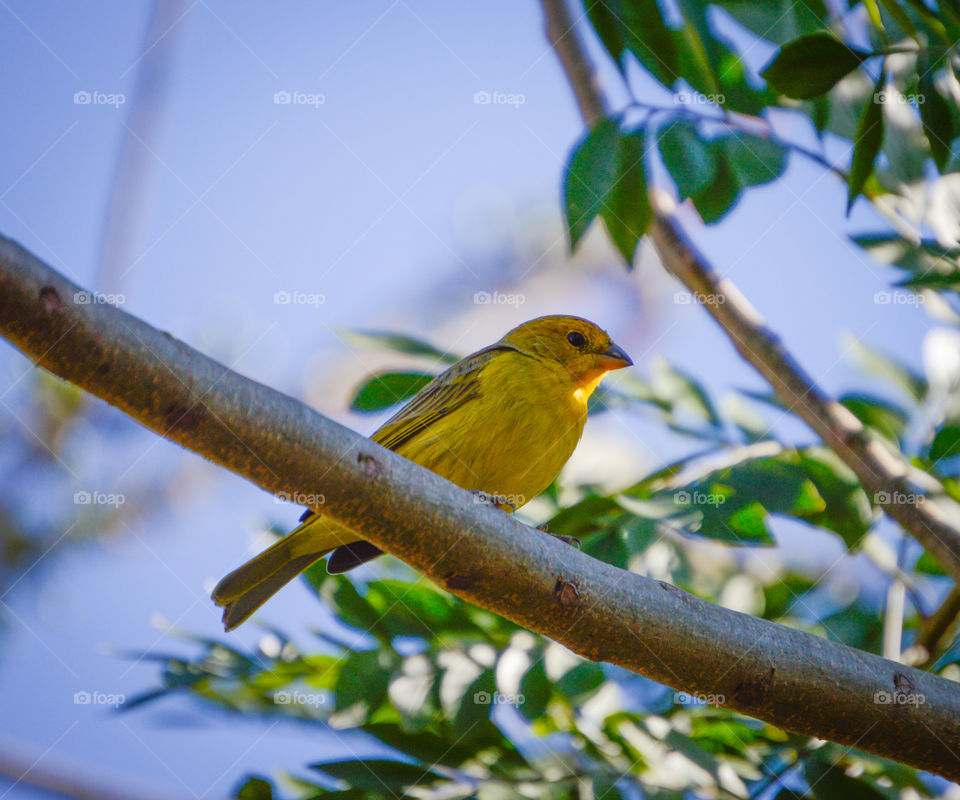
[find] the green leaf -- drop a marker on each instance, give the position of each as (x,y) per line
(650,40)
(387,389)
(686,156)
(866,144)
(903,376)
(424,745)
(946,443)
(254,788)
(811,65)
(828,782)
(402,344)
(936,116)
(886,418)
(636,26)
(535,688)
(473,710)
(723,192)
(626,211)
(591,173)
(363,679)
(378,775)
(582,680)
(753,159)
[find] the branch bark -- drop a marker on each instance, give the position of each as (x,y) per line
(789,678)
(882,474)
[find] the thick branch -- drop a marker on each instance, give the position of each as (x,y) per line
(787,677)
(882,475)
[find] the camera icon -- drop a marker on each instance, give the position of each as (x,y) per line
(82,98)
(681,298)
(882,698)
(882,298)
(481,698)
(282,98)
(282,298)
(682,498)
(81,698)
(882,498)
(82,498)
(282,698)
(81,298)
(482,298)
(481,98)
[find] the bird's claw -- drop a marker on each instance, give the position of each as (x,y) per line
(571,540)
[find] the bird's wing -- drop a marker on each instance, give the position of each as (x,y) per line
(447,392)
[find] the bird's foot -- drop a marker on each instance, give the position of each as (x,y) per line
(573,541)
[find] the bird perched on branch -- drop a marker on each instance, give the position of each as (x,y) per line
(502,422)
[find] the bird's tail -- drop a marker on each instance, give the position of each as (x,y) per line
(249,586)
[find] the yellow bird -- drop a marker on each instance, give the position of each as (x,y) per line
(502,421)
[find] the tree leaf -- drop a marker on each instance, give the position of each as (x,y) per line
(402,344)
(753,159)
(254,788)
(387,389)
(535,688)
(650,40)
(377,774)
(946,443)
(811,65)
(935,115)
(721,195)
(473,710)
(686,156)
(363,679)
(626,211)
(866,144)
(591,173)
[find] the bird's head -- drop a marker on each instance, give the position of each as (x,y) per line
(577,346)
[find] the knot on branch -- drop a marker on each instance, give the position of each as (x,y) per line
(753,691)
(50,300)
(371,467)
(567,592)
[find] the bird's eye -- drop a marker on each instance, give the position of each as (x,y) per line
(577,339)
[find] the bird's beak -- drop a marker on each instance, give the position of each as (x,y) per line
(614,358)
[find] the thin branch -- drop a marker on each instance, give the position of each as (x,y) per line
(937,626)
(882,475)
(787,677)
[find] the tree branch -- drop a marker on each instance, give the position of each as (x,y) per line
(789,678)
(882,474)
